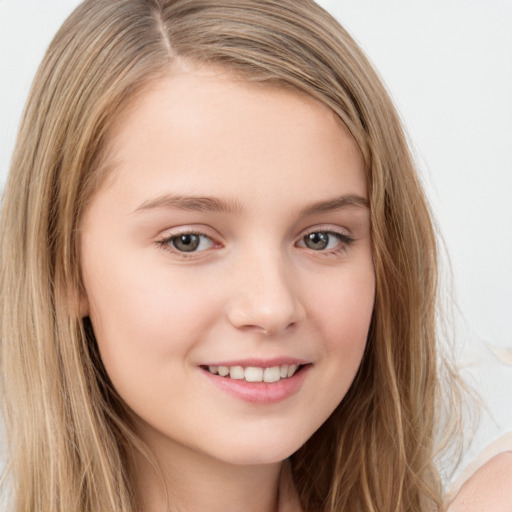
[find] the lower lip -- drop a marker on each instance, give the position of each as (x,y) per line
(260,392)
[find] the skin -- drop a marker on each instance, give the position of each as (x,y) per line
(253,289)
(489,489)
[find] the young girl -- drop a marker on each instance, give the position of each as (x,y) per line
(218,275)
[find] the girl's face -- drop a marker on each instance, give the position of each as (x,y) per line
(233,236)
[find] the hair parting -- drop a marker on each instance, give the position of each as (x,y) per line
(74,451)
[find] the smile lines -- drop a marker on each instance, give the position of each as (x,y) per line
(255,373)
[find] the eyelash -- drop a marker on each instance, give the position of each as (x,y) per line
(344,240)
(167,243)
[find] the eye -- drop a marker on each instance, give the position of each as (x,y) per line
(189,242)
(324,240)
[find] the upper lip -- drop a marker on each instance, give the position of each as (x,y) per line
(259,363)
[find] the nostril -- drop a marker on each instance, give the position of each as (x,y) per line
(257,319)
(266,299)
(267,329)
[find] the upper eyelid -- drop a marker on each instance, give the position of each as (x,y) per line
(165,244)
(217,239)
(187,230)
(342,237)
(327,228)
(166,236)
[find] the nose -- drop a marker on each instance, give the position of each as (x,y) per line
(265,296)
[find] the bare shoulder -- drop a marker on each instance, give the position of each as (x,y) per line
(488,489)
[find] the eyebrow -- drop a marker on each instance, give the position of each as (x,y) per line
(214,204)
(193,204)
(337,203)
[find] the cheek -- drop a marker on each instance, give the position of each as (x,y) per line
(141,318)
(342,315)
(344,311)
(145,329)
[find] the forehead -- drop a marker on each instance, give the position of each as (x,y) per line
(207,125)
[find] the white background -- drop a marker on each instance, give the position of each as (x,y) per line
(448,65)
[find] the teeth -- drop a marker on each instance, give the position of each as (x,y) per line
(255,373)
(236,372)
(272,374)
(223,371)
(292,369)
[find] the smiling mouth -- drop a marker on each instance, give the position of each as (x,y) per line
(256,373)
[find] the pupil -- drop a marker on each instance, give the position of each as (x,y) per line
(317,241)
(186,243)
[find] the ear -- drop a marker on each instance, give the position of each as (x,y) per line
(78,299)
(74,300)
(83,304)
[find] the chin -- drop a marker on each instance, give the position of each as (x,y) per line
(261,452)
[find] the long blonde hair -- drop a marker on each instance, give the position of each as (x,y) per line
(70,439)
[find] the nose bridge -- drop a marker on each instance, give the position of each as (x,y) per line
(265,295)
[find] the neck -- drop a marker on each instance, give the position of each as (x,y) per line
(194,482)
